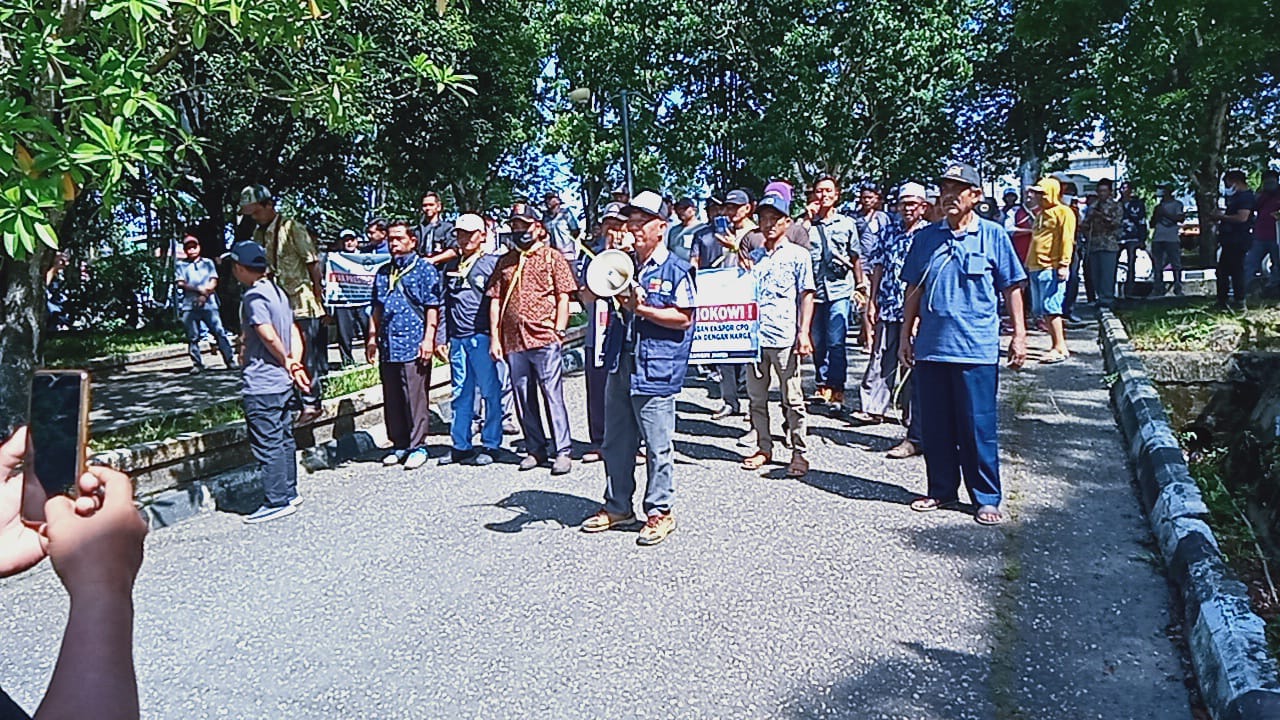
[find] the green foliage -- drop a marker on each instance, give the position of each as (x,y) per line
(74,349)
(1199,327)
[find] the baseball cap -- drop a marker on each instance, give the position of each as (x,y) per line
(190,240)
(526,214)
(254,194)
(619,189)
(348,233)
(685,202)
(931,193)
(648,202)
(469,222)
(915,190)
(1009,191)
(737,197)
(960,172)
(615,211)
(779,187)
(776,202)
(249,254)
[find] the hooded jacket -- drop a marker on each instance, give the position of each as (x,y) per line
(1053,235)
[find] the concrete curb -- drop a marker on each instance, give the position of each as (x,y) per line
(179,477)
(1238,678)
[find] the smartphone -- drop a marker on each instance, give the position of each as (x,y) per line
(59,428)
(722,225)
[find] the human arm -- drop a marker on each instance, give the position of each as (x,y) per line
(910,312)
(495,327)
(371,337)
(430,320)
(1018,342)
(1068,243)
(291,361)
(804,340)
(96,553)
(562,313)
(873,308)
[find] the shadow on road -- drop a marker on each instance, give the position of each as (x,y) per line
(536,506)
(853,438)
(854,488)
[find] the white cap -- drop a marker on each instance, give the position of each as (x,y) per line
(915,190)
(648,202)
(469,223)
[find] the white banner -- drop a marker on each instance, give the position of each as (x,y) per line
(348,278)
(727,324)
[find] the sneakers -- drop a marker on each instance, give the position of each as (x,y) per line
(562,465)
(416,459)
(530,462)
(296,500)
(467,457)
(724,412)
(395,457)
(481,459)
(656,529)
(266,512)
(196,370)
(605,520)
(592,456)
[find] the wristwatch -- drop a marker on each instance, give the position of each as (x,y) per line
(561,334)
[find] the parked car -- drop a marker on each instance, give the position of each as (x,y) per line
(1189,230)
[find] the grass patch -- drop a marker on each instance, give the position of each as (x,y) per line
(162,427)
(70,349)
(1200,326)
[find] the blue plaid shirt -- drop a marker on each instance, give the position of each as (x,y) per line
(889,254)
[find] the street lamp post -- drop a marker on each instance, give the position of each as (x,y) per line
(583,96)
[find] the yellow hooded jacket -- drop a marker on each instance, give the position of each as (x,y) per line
(1053,236)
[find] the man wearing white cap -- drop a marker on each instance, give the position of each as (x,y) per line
(884,309)
(467,327)
(647,354)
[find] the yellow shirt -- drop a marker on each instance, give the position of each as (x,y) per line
(1053,239)
(289,252)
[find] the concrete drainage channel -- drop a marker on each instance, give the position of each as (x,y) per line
(1237,676)
(178,477)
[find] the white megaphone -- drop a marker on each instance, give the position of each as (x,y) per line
(611,272)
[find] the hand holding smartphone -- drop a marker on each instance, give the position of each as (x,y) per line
(59,428)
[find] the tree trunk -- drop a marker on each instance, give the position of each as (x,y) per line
(22,290)
(1208,171)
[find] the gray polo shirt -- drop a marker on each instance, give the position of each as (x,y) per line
(265,304)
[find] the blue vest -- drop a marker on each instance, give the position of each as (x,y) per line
(661,354)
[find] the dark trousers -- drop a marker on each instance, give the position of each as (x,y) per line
(406,403)
(269,421)
(731,378)
(911,395)
(351,324)
(957,405)
(1073,287)
(315,356)
(596,378)
(1231,272)
(531,371)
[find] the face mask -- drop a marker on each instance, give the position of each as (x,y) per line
(1068,199)
(1228,192)
(522,241)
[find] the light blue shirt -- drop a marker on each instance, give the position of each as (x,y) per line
(197,274)
(782,278)
(958,274)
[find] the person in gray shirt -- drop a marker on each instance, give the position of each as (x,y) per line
(271,362)
(1166,243)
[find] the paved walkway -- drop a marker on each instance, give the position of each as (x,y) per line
(468,592)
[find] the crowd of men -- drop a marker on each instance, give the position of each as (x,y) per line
(491,297)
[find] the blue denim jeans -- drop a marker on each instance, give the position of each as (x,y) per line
(269,422)
(1258,250)
(830,326)
(192,320)
(473,370)
(632,418)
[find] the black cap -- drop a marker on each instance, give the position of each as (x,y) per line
(960,172)
(737,197)
(526,214)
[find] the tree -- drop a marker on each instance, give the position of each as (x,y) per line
(90,104)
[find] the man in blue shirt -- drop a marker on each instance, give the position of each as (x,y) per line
(562,227)
(467,328)
(953,271)
(198,280)
(836,250)
(402,339)
(648,354)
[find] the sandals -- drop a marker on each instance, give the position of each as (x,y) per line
(989,515)
(929,504)
(1053,357)
(799,467)
(756,461)
(866,418)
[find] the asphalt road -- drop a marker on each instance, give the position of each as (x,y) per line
(468,592)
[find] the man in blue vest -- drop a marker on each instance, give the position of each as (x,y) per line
(647,355)
(953,272)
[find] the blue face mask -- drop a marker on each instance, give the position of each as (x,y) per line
(1228,192)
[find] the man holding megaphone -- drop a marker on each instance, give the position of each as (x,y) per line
(647,355)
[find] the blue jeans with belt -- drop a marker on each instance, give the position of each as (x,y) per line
(204,315)
(830,326)
(957,408)
(633,418)
(474,370)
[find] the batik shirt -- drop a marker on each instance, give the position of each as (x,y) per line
(889,255)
